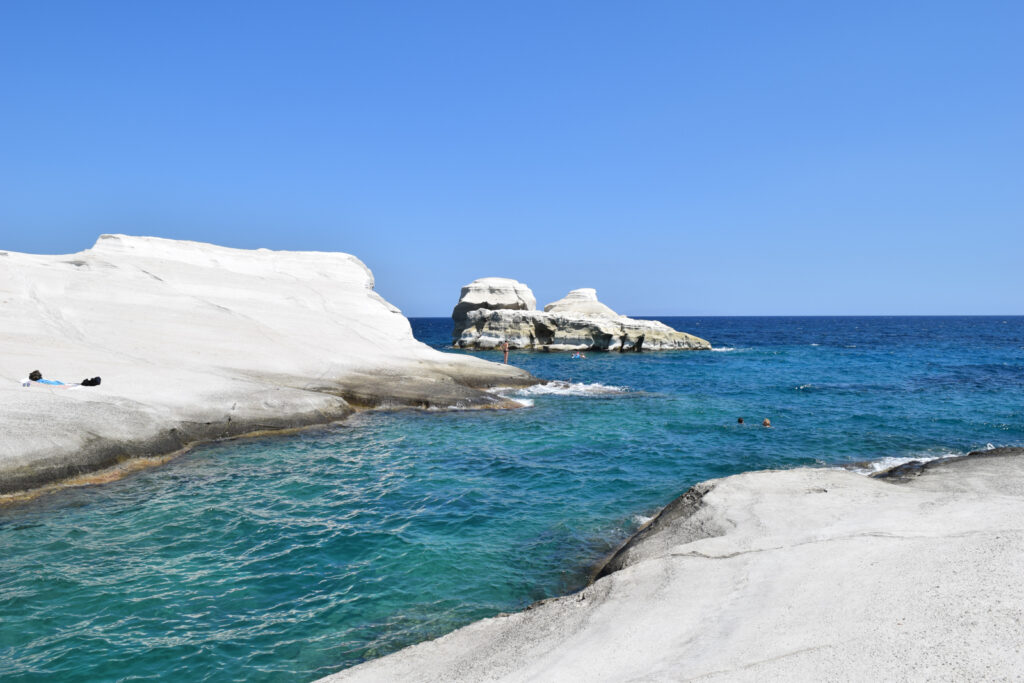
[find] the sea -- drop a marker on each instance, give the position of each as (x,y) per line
(288,558)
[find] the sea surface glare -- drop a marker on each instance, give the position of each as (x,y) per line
(284,559)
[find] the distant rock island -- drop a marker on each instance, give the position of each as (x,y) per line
(492,310)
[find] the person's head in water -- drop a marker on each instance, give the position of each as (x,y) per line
(35,375)
(739,420)
(766,423)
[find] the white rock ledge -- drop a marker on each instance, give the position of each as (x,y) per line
(798,575)
(197,342)
(495,310)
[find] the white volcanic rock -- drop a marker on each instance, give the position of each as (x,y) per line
(581,302)
(492,294)
(798,575)
(486,329)
(577,321)
(195,341)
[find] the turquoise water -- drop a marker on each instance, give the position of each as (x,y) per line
(285,559)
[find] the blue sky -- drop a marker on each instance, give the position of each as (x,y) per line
(708,158)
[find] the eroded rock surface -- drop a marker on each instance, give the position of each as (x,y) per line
(493,294)
(195,342)
(494,310)
(581,302)
(798,575)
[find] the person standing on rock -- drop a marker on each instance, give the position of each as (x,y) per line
(504,347)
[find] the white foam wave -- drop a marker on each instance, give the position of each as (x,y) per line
(870,467)
(641,520)
(559,388)
(723,349)
(887,463)
(457,407)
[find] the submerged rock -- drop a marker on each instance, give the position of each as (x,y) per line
(494,310)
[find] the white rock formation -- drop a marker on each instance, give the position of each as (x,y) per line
(195,341)
(492,294)
(799,575)
(581,302)
(493,310)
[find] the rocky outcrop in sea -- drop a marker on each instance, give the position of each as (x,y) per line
(493,310)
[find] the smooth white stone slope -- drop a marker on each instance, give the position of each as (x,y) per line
(799,575)
(581,302)
(195,341)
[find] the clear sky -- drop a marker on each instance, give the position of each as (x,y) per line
(683,157)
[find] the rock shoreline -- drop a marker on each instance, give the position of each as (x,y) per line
(804,574)
(197,343)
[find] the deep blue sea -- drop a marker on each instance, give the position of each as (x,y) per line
(284,559)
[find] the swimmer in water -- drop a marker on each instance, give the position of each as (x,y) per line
(766,423)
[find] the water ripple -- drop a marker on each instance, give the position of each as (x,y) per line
(285,559)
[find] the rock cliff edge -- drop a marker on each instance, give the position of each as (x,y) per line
(196,342)
(798,575)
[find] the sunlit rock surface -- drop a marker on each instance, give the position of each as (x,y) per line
(491,311)
(492,294)
(798,575)
(581,302)
(194,342)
